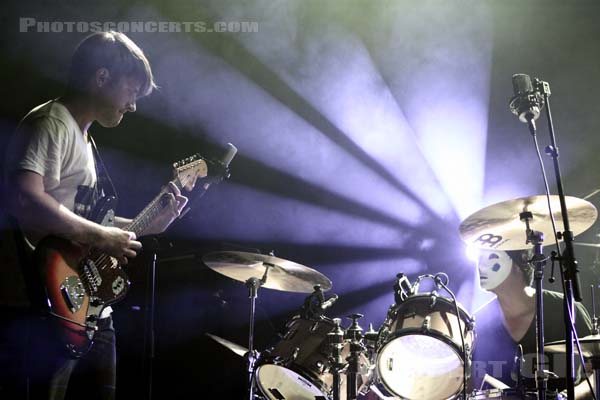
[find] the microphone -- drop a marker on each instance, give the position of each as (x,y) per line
(218,170)
(229,154)
(526,102)
(329,302)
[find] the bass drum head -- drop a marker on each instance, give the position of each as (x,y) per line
(276,382)
(419,366)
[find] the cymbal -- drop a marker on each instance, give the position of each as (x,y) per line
(282,274)
(499,226)
(596,245)
(590,346)
(236,348)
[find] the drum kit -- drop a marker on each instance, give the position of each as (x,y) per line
(424,347)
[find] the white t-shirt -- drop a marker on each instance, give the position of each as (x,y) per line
(49,142)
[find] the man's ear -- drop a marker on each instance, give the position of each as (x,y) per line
(102,77)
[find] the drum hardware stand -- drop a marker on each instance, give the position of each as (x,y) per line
(595,359)
(336,345)
(253,284)
(538,261)
(354,336)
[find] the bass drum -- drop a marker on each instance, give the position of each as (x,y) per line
(420,348)
(298,367)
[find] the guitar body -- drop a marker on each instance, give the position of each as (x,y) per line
(79,283)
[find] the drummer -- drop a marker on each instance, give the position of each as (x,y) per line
(507,323)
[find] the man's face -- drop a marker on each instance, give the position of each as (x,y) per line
(494,267)
(115,98)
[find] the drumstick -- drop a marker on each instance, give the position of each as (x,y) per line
(493,382)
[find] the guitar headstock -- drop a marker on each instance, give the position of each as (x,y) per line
(188,170)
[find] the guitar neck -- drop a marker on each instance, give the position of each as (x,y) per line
(147,215)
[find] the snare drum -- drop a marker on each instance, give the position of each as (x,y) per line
(298,367)
(420,348)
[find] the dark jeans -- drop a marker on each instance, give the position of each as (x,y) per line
(34,365)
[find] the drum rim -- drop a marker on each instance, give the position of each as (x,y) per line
(438,297)
(383,337)
(292,366)
(418,331)
(302,372)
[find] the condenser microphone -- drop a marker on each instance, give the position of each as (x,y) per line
(217,171)
(229,154)
(526,102)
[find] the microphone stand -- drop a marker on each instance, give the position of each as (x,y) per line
(152,246)
(567,261)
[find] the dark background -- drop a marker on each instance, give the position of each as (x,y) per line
(367,131)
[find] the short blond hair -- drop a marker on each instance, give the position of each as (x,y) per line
(115,52)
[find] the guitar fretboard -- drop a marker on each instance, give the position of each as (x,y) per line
(147,215)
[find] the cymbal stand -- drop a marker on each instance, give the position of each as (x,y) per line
(595,359)
(538,261)
(253,284)
(354,335)
(336,343)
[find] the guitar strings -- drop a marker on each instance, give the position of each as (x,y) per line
(103,258)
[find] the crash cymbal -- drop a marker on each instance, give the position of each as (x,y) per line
(499,226)
(590,346)
(236,348)
(282,274)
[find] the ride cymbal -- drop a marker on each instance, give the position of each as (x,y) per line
(499,226)
(278,274)
(590,346)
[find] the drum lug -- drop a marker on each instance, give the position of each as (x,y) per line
(295,354)
(434,297)
(320,367)
(426,324)
(314,326)
(470,324)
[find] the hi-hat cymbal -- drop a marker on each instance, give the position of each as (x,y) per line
(499,226)
(590,346)
(236,348)
(281,275)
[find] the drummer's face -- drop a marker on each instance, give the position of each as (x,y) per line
(494,267)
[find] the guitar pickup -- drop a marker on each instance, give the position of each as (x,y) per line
(73,292)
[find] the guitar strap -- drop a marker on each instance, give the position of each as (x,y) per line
(104,184)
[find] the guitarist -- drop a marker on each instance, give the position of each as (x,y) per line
(51,178)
